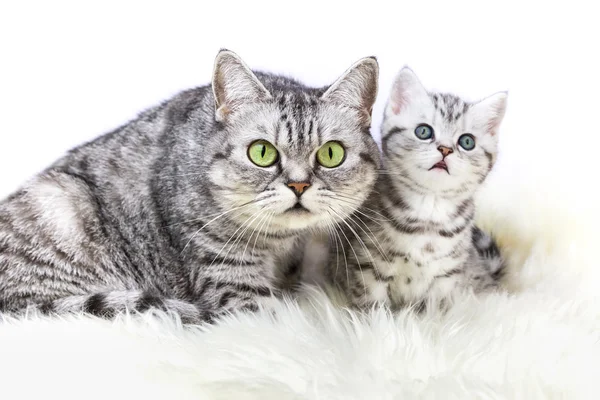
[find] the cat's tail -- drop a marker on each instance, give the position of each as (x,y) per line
(488,252)
(108,304)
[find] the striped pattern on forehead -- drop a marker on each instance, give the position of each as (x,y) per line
(449,106)
(298,119)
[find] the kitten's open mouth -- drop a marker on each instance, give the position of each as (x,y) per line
(297,208)
(440,165)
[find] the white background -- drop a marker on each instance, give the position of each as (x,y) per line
(70,71)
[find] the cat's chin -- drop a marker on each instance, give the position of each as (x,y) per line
(297,208)
(297,219)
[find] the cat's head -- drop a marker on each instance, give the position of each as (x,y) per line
(437,142)
(292,157)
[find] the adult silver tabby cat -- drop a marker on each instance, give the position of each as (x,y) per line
(414,242)
(199,204)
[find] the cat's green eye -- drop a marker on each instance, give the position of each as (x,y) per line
(424,132)
(331,154)
(262,153)
(466,141)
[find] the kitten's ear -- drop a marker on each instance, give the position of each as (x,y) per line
(233,84)
(407,89)
(489,112)
(357,88)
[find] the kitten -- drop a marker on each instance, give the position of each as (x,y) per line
(414,242)
(197,206)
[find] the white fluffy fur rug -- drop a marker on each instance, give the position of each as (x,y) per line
(539,340)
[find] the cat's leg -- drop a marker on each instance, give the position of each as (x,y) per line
(58,256)
(110,303)
(224,288)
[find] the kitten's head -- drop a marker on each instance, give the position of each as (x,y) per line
(289,156)
(437,142)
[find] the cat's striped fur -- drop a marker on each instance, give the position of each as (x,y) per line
(414,242)
(168,211)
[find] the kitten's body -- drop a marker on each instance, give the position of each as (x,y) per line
(414,242)
(168,211)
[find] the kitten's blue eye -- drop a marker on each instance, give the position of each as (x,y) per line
(466,141)
(424,132)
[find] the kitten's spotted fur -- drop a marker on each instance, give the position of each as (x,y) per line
(414,243)
(169,212)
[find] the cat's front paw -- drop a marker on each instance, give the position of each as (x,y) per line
(269,304)
(266,304)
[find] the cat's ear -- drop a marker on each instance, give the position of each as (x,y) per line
(234,84)
(357,88)
(407,89)
(489,112)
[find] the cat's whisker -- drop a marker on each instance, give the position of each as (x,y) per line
(352,248)
(190,174)
(239,237)
(363,207)
(351,194)
(204,226)
(390,173)
(331,230)
(370,235)
(342,194)
(334,224)
(355,202)
(375,220)
(347,217)
(263,217)
(231,237)
(218,215)
(266,230)
(267,219)
(358,210)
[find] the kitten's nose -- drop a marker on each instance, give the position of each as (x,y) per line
(298,187)
(445,150)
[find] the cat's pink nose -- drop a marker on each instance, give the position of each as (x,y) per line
(298,187)
(445,150)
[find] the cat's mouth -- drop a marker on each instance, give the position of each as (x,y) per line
(440,165)
(297,208)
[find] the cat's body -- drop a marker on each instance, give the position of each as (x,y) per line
(414,242)
(168,211)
